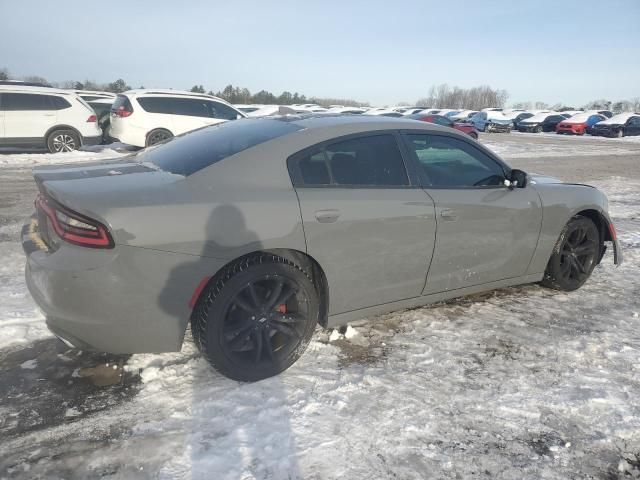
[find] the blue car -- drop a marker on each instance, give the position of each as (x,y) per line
(491,122)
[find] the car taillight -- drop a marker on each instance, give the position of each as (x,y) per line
(122,112)
(92,119)
(74,227)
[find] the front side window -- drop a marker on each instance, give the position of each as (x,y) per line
(220,110)
(364,161)
(449,162)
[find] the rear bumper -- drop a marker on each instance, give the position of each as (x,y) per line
(571,130)
(122,300)
(97,140)
(603,133)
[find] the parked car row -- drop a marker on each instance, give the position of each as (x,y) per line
(64,120)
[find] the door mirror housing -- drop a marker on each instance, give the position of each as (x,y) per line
(517,179)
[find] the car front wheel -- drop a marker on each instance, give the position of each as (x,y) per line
(256,318)
(63,141)
(574,256)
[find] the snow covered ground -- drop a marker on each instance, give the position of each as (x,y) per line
(519,383)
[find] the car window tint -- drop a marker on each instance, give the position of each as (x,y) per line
(175,106)
(442,121)
(370,161)
(190,107)
(315,169)
(151,104)
(25,101)
(58,103)
(187,154)
(449,162)
(220,110)
(366,161)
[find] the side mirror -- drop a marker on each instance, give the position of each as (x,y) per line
(517,179)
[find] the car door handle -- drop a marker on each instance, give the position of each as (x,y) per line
(327,216)
(448,215)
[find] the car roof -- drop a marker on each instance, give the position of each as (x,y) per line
(31,89)
(95,92)
(176,93)
(355,123)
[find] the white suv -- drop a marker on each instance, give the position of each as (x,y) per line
(46,117)
(149,116)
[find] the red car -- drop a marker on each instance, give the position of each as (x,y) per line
(467,128)
(580,123)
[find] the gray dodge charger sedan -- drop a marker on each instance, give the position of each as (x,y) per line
(257,230)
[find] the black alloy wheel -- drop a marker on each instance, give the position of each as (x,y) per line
(575,255)
(256,318)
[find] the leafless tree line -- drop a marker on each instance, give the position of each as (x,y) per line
(474,98)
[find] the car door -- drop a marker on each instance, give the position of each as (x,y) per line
(633,126)
(485,230)
(371,230)
(27,116)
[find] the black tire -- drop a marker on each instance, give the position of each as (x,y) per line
(474,135)
(157,136)
(538,129)
(574,256)
(247,327)
(63,140)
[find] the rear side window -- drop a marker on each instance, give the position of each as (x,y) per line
(32,101)
(59,103)
(191,107)
(189,153)
(364,161)
(157,104)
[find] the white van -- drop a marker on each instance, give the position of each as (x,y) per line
(148,116)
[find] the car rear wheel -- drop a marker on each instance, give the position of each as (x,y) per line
(158,135)
(63,141)
(474,135)
(538,129)
(256,318)
(574,256)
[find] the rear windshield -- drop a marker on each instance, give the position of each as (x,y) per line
(188,153)
(121,101)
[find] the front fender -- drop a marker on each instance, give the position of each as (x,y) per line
(560,202)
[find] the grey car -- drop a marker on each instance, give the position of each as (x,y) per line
(258,230)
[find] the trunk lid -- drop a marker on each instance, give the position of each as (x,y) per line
(100,190)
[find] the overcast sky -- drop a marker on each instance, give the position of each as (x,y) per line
(378,51)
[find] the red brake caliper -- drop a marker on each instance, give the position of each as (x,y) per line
(282,308)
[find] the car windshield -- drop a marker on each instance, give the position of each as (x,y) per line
(189,153)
